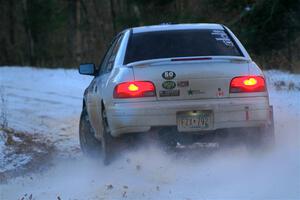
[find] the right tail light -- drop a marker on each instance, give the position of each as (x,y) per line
(247,84)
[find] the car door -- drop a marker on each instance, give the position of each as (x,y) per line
(97,93)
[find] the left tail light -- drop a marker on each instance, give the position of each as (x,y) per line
(134,89)
(244,84)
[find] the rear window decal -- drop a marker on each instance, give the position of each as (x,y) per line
(222,36)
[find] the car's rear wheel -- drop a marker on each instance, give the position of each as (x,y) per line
(90,146)
(108,142)
(262,137)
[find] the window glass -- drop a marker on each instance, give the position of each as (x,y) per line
(180,43)
(114,54)
(103,67)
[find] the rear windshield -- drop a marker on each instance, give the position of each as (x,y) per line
(179,43)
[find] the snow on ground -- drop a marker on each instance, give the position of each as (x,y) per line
(14,160)
(48,102)
(36,96)
(3,150)
(43,101)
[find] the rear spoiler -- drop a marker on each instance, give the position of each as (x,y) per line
(188,59)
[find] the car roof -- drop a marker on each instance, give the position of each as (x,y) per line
(168,27)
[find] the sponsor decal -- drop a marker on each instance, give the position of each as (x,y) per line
(220,92)
(182,83)
(193,92)
(169,93)
(168,75)
(169,85)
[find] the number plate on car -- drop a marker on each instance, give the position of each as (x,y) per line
(194,120)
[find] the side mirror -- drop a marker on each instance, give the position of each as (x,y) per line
(87,69)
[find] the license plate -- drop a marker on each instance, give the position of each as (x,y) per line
(194,120)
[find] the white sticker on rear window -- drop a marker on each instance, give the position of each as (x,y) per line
(222,36)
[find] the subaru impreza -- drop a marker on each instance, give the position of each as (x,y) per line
(190,78)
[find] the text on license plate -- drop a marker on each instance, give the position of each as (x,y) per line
(194,120)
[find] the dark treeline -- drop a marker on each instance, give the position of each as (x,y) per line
(56,33)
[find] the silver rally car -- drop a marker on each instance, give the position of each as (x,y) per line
(194,78)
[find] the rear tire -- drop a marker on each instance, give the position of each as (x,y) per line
(262,137)
(90,146)
(108,142)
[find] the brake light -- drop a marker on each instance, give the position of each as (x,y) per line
(247,84)
(250,81)
(134,89)
(190,59)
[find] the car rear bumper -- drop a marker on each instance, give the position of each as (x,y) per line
(227,113)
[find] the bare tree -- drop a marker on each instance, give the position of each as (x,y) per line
(28,31)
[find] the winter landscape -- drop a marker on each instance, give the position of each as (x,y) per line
(40,157)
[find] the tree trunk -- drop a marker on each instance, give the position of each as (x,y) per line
(113,16)
(28,31)
(78,45)
(11,22)
(289,49)
(71,30)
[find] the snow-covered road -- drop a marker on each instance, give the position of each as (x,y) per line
(48,102)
